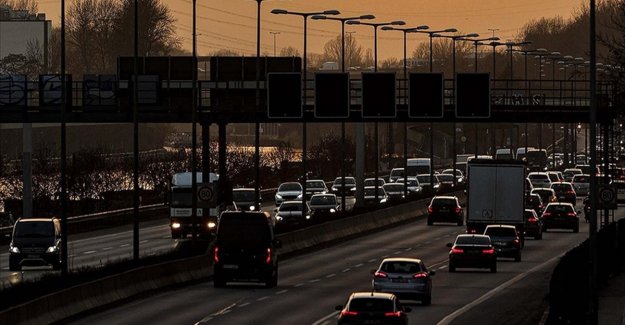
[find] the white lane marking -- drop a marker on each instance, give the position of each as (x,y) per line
(314,280)
(263,298)
(5,268)
(408,249)
(346,270)
(451,317)
(325,318)
(397,253)
(89,252)
(330,275)
(385,256)
(442,267)
(124,245)
(372,260)
(144,241)
(107,248)
(358,265)
(299,285)
(244,304)
(282,291)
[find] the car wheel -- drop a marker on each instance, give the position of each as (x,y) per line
(427,300)
(493,268)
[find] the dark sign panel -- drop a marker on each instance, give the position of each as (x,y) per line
(473,95)
(50,90)
(99,90)
(332,95)
(13,90)
(378,95)
(284,95)
(425,98)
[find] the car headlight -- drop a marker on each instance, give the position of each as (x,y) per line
(279,218)
(307,216)
(51,249)
(252,207)
(332,210)
(278,197)
(14,250)
(175,225)
(299,196)
(334,189)
(211,224)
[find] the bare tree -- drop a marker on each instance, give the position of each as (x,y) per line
(31,6)
(289,51)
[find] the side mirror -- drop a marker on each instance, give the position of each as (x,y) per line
(338,307)
(277,243)
(449,245)
(432,272)
(407,309)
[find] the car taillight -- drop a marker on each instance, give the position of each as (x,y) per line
(540,206)
(457,250)
(571,214)
(346,312)
(458,210)
(570,192)
(546,214)
(532,219)
(516,241)
(393,314)
(430,209)
(420,275)
(488,251)
(216,254)
(380,274)
(268,258)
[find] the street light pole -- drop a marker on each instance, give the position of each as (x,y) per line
(274,41)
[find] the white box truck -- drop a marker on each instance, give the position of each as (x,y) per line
(180,208)
(495,194)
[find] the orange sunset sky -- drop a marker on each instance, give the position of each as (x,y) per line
(231,24)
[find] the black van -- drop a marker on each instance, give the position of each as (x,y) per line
(35,242)
(245,249)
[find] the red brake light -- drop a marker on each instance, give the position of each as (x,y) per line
(488,251)
(516,241)
(455,250)
(571,214)
(268,258)
(420,275)
(380,274)
(393,314)
(458,209)
(346,312)
(216,255)
(430,209)
(571,192)
(532,219)
(546,214)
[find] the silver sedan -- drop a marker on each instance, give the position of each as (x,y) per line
(407,278)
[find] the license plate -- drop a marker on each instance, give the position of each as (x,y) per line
(32,256)
(231,266)
(368,321)
(500,243)
(400,280)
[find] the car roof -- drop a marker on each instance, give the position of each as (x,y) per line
(243,189)
(401,259)
(500,226)
(315,180)
(561,203)
(324,194)
(445,197)
(372,294)
(35,219)
(472,235)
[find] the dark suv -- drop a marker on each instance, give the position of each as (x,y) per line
(245,249)
(35,242)
(506,240)
(445,209)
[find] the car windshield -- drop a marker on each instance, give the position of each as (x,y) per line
(315,184)
(561,187)
(34,229)
(397,172)
(472,240)
(181,197)
(245,230)
(581,179)
(538,177)
(348,181)
(290,187)
(397,187)
(445,177)
(323,200)
(243,196)
(500,232)
(371,192)
(371,305)
(401,267)
(437,203)
(371,182)
(528,214)
(559,208)
(291,206)
(423,179)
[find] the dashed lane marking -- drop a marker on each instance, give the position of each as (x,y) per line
(282,291)
(263,298)
(346,270)
(330,275)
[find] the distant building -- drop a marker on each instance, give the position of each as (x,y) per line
(19,31)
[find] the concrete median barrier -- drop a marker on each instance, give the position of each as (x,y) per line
(77,300)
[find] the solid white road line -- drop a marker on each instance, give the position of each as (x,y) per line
(325,318)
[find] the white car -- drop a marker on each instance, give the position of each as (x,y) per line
(581,184)
(289,191)
(539,179)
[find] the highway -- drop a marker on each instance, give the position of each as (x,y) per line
(311,285)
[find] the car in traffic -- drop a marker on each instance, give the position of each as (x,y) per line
(35,242)
(472,251)
(533,224)
(395,174)
(288,191)
(568,173)
(564,192)
(534,202)
(445,209)
(586,169)
(555,176)
(370,198)
(539,179)
(459,175)
(245,249)
(581,184)
(315,186)
(394,192)
(243,199)
(446,182)
(546,194)
(619,185)
(324,205)
(414,188)
(406,278)
(506,241)
(372,308)
(289,213)
(348,188)
(430,187)
(559,215)
(371,181)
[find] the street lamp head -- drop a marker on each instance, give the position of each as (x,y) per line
(279,11)
(493,44)
(387,28)
(367,17)
(319,17)
(555,53)
(472,35)
(353,22)
(331,12)
(567,57)
(493,39)
(579,59)
(436,35)
(398,23)
(449,30)
(422,27)
(541,50)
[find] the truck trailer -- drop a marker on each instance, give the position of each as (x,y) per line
(180,208)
